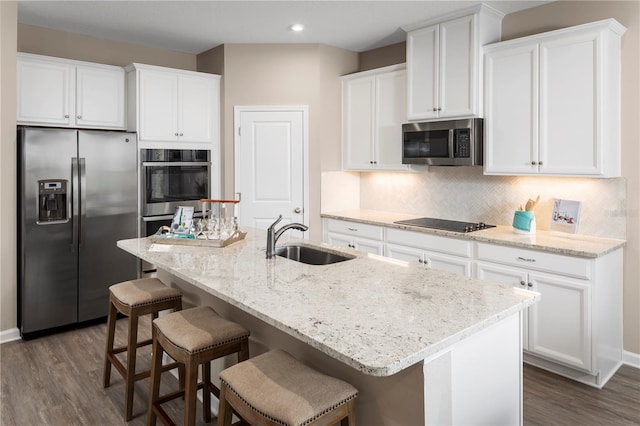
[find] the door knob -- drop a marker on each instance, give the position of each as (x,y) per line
(297,210)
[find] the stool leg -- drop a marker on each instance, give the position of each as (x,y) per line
(190,394)
(131,363)
(351,410)
(206,391)
(111,328)
(224,408)
(156,373)
(243,353)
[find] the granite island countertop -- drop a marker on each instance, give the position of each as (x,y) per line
(372,313)
(548,241)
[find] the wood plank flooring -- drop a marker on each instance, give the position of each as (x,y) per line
(57,380)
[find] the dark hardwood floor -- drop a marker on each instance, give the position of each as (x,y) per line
(57,380)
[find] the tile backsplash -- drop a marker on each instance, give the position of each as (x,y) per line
(464,193)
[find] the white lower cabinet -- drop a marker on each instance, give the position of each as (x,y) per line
(508,276)
(576,327)
(359,236)
(558,326)
(574,330)
(442,253)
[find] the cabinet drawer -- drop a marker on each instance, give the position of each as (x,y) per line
(429,242)
(355,229)
(530,259)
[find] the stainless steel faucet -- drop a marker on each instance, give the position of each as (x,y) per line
(273,235)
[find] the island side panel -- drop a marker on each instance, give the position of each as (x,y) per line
(478,381)
(392,400)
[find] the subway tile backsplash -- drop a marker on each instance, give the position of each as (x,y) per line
(464,193)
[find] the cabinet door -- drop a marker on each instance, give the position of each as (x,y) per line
(458,69)
(406,254)
(443,262)
(358,111)
(369,246)
(511,110)
(100,97)
(560,324)
(508,276)
(195,108)
(390,110)
(439,261)
(339,240)
(422,73)
(45,92)
(570,99)
(158,106)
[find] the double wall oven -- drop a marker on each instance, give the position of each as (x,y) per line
(171,178)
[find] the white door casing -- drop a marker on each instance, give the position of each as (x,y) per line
(271,164)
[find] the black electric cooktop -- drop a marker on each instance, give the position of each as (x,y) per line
(445,225)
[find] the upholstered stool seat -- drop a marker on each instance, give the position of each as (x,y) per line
(276,389)
(193,337)
(134,299)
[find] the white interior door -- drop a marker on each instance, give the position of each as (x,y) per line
(271,164)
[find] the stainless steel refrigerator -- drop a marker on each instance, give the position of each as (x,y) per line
(77,196)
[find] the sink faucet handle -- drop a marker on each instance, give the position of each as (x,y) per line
(276,222)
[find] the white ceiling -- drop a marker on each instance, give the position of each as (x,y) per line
(196,26)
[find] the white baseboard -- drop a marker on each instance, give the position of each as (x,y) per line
(9,335)
(631,359)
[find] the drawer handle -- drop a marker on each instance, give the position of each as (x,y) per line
(353,229)
(530,284)
(522,283)
(525,259)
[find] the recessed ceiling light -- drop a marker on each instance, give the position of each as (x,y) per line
(296,27)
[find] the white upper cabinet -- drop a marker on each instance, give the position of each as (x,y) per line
(174,108)
(444,63)
(66,93)
(552,103)
(373,110)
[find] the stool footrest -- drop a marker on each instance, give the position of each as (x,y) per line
(180,393)
(143,374)
(138,345)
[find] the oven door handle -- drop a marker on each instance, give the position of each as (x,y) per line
(164,217)
(157,218)
(175,163)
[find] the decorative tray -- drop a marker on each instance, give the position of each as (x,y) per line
(181,240)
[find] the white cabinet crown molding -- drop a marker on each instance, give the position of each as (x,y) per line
(137,66)
(481,9)
(605,24)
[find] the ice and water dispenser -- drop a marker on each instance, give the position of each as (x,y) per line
(52,200)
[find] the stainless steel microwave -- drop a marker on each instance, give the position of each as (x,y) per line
(443,143)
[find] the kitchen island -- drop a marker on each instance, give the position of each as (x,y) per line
(422,346)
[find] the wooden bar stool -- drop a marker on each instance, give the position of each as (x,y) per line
(135,299)
(192,337)
(276,389)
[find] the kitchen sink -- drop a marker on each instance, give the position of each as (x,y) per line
(311,255)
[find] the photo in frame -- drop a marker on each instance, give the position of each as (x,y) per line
(565,216)
(182,219)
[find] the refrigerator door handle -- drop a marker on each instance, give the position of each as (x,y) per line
(75,187)
(83,202)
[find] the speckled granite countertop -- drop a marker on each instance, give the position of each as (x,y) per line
(374,314)
(554,242)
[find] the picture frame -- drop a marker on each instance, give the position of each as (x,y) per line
(182,219)
(565,215)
